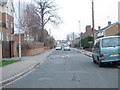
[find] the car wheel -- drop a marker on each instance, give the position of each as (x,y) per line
(93,59)
(100,63)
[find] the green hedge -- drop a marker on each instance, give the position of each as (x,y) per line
(85,42)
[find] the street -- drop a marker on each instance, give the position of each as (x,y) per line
(69,69)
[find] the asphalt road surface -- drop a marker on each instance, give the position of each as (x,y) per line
(69,69)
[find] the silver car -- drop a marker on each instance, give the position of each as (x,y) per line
(66,48)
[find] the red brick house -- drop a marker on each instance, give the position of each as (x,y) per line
(7,20)
(6,26)
(110,30)
(88,32)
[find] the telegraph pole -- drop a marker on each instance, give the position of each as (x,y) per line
(19,32)
(80,35)
(50,31)
(93,22)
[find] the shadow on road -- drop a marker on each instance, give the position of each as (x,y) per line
(110,65)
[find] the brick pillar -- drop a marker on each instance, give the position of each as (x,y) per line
(0,50)
(15,51)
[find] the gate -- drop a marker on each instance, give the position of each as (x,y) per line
(7,49)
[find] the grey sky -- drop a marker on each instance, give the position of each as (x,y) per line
(73,11)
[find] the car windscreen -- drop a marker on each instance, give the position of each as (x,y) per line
(111,42)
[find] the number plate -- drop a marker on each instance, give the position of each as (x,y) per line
(114,55)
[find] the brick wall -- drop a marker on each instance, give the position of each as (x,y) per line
(5,30)
(0,50)
(0,32)
(32,52)
(29,48)
(16,38)
(0,22)
(112,31)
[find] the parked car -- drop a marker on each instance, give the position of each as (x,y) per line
(58,48)
(106,50)
(66,48)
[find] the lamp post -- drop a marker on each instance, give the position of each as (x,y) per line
(119,11)
(93,22)
(80,35)
(19,32)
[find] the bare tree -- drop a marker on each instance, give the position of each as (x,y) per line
(72,36)
(29,21)
(36,15)
(47,11)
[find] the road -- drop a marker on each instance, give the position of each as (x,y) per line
(69,69)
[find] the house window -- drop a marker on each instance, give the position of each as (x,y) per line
(11,28)
(0,23)
(7,37)
(7,24)
(1,36)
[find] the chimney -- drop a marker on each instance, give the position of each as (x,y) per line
(109,23)
(99,27)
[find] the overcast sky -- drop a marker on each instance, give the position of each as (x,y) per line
(72,11)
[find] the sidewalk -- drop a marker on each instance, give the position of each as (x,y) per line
(87,53)
(15,70)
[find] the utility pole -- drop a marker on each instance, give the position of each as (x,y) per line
(80,35)
(19,32)
(119,16)
(93,19)
(50,31)
(73,39)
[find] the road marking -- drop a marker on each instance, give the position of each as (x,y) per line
(45,79)
(63,56)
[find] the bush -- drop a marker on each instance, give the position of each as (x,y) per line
(85,42)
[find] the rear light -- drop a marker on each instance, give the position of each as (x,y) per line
(101,57)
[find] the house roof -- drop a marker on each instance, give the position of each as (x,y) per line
(4,2)
(107,27)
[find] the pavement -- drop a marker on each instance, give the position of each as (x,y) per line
(14,71)
(87,53)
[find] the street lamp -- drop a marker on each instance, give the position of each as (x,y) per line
(93,21)
(19,32)
(80,35)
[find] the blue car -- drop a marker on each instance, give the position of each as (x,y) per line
(106,50)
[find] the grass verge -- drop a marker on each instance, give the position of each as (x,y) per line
(6,62)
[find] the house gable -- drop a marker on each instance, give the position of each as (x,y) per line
(110,30)
(113,30)
(6,6)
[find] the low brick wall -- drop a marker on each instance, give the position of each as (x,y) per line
(29,48)
(32,52)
